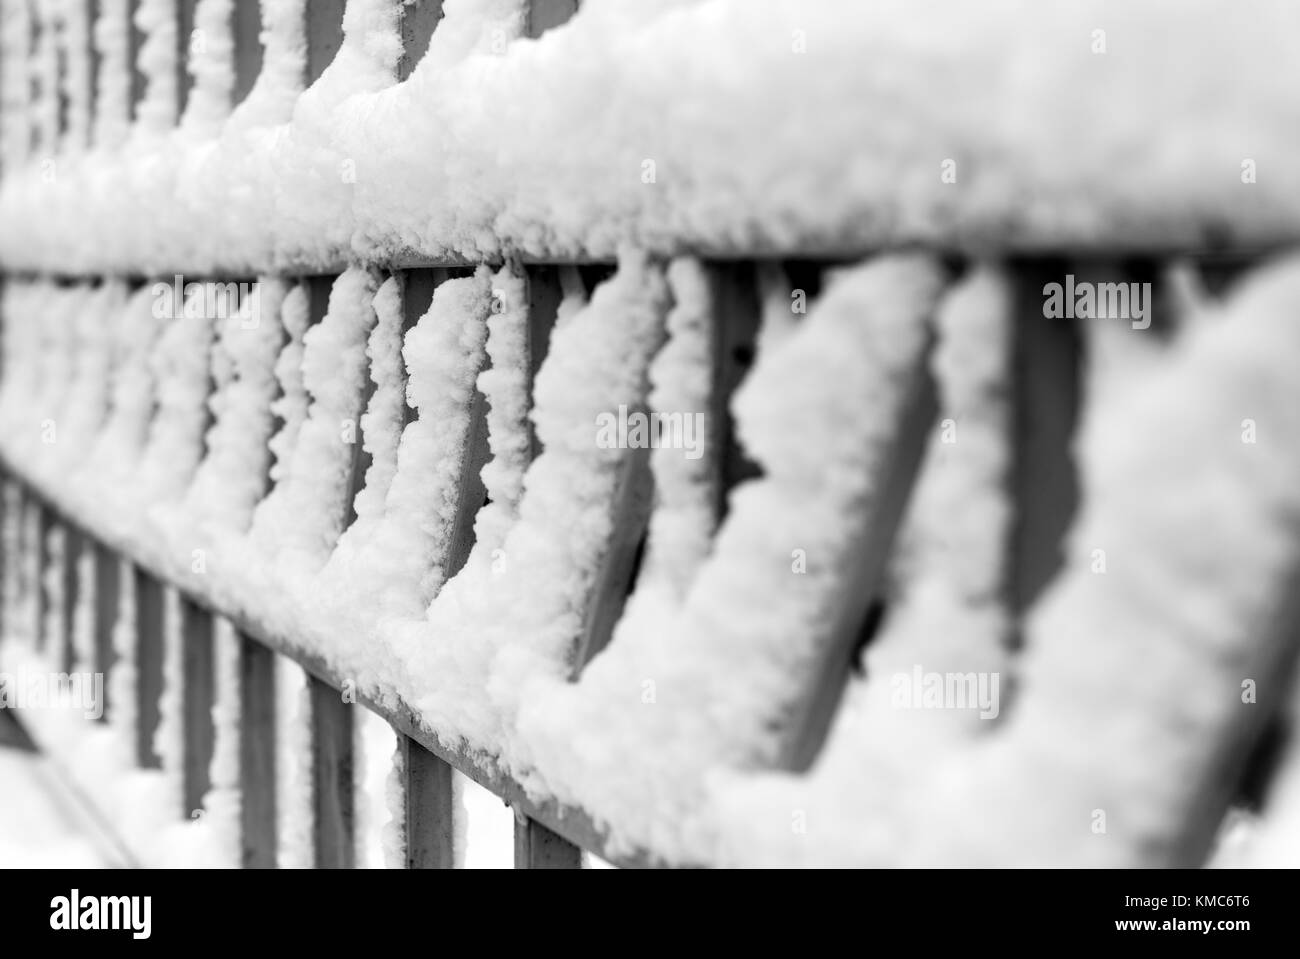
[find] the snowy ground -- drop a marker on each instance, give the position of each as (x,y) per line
(41,825)
(46,820)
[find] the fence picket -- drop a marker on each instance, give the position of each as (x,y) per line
(429,799)
(332,778)
(198,694)
(148,664)
(73,543)
(537,847)
(257,754)
(107,571)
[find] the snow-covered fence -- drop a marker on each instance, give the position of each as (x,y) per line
(333,348)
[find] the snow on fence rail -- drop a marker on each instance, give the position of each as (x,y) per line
(342,397)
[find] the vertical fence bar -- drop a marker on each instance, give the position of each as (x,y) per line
(545,14)
(471,494)
(257,754)
(6,560)
(149,664)
(184,41)
(324,35)
(1045,385)
(428,795)
(361,457)
(198,688)
(136,41)
(633,500)
(544,296)
(417,297)
(45,524)
(72,545)
(18,561)
(536,847)
(737,312)
(108,568)
(92,53)
(418,23)
(332,784)
(430,828)
(247,28)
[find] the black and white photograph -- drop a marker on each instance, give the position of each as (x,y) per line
(690,434)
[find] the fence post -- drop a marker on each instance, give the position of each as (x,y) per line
(324,30)
(537,847)
(72,545)
(1045,400)
(246,27)
(418,24)
(198,692)
(430,827)
(257,754)
(332,785)
(107,570)
(149,664)
(45,523)
(184,33)
(6,560)
(545,14)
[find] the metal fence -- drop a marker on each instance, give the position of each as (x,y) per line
(1044,393)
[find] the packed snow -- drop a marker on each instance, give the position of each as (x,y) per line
(627,125)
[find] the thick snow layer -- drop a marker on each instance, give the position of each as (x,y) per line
(408,506)
(234,473)
(505,385)
(693,125)
(681,378)
(307,508)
